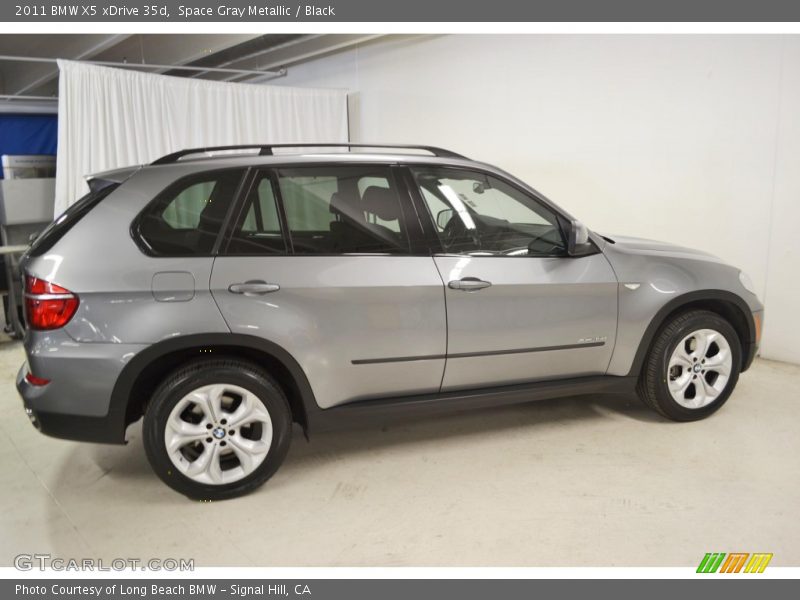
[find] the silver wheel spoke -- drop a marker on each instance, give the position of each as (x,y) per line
(700,397)
(680,385)
(701,345)
(680,357)
(210,401)
(207,464)
(709,393)
(180,433)
(247,451)
(720,364)
(250,410)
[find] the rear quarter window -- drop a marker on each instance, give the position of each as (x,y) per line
(187,217)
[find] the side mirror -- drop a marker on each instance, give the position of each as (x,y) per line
(578,243)
(443,217)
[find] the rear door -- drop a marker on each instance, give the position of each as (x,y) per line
(518,308)
(319,262)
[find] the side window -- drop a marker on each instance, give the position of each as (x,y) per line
(306,199)
(481,215)
(186,208)
(259,228)
(185,220)
(343,210)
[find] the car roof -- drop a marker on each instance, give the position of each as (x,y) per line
(239,159)
(316,157)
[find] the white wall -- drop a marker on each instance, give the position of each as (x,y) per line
(689,139)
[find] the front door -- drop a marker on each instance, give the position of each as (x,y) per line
(518,308)
(319,262)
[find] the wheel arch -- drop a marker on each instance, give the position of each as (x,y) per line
(143,373)
(726,304)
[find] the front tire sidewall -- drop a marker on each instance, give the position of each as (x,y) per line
(666,402)
(191,378)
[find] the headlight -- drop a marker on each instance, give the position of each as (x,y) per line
(747,282)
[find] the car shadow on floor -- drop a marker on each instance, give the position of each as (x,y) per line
(119,477)
(486,422)
(129,461)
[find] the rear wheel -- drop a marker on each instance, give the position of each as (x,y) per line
(217,429)
(692,366)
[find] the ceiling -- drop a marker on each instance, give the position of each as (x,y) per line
(230,51)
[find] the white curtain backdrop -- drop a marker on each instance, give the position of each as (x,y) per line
(109,118)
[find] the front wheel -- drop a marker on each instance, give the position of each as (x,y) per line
(217,429)
(692,366)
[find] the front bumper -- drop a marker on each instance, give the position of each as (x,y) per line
(750,348)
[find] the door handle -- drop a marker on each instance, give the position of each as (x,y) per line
(254,287)
(468,284)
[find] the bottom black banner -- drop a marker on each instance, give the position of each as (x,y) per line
(397,589)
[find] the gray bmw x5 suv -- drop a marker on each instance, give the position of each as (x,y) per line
(224,293)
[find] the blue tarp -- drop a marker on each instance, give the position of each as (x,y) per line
(28,134)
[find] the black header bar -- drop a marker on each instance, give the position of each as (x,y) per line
(442,11)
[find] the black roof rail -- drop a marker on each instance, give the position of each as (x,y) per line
(266,150)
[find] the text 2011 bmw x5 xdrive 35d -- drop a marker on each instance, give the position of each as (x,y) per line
(224,297)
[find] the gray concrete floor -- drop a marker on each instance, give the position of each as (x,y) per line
(590,481)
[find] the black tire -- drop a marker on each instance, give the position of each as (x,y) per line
(206,372)
(653,386)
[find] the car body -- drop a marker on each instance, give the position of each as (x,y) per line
(362,284)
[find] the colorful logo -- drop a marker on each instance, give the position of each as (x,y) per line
(735,562)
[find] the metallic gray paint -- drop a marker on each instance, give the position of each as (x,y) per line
(330,311)
(99,261)
(531,302)
(665,272)
(81,375)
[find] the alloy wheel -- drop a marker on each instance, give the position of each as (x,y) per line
(699,368)
(218,434)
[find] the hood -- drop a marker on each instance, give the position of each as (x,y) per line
(635,245)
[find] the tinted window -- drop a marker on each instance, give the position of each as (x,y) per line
(336,210)
(186,219)
(478,214)
(258,230)
(307,200)
(186,208)
(67,220)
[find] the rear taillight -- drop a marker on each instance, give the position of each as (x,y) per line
(34,380)
(47,305)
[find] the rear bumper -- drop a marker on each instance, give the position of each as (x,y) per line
(76,404)
(103,429)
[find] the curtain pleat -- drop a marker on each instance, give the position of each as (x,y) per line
(110,118)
